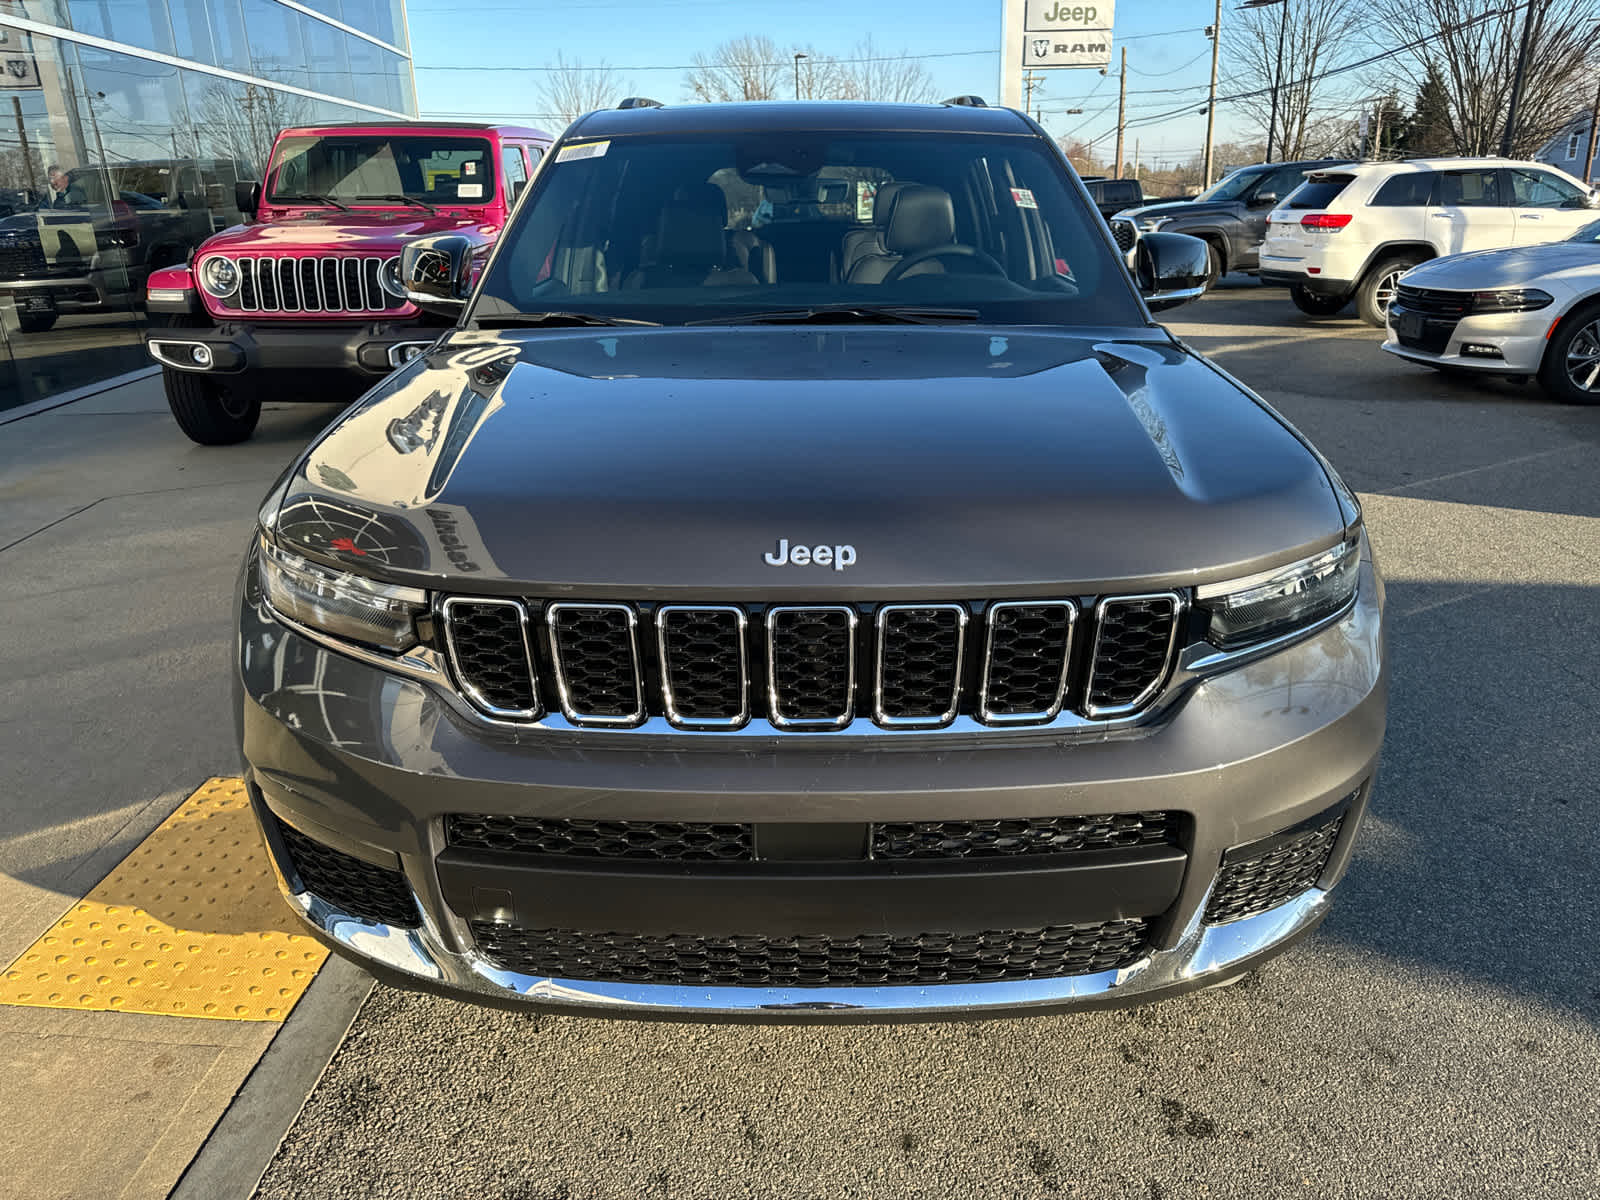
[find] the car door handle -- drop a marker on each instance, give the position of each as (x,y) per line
(1531,216)
(1440,216)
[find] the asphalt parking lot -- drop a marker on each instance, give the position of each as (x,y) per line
(1438,1037)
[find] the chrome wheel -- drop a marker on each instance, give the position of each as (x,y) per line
(1583,358)
(1383,294)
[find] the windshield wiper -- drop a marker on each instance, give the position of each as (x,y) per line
(846,314)
(308,198)
(399,198)
(536,320)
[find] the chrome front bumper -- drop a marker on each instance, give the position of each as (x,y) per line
(1204,956)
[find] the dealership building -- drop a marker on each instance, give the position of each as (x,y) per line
(124,125)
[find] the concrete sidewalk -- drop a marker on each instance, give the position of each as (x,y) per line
(119,543)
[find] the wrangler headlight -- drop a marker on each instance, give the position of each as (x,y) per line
(339,603)
(219,277)
(1242,612)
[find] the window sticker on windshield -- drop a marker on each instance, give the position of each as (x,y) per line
(1024,198)
(586,150)
(469,167)
(469,191)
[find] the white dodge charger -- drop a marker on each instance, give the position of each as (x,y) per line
(1517,312)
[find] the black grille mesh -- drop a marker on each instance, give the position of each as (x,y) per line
(1125,234)
(702,663)
(1251,883)
(595,650)
(490,655)
(920,662)
(349,884)
(867,960)
(1029,835)
(1131,648)
(1028,647)
(810,652)
(703,841)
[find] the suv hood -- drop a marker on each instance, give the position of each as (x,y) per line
(375,231)
(1175,208)
(668,463)
(1507,267)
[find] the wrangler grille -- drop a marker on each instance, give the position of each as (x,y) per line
(342,284)
(821,668)
(863,961)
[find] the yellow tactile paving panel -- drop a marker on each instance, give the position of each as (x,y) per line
(190,925)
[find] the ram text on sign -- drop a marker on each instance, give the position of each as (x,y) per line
(1077,48)
(1054,15)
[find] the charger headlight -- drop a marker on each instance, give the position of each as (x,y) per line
(339,603)
(1244,612)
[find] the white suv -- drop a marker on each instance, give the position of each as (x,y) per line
(1351,232)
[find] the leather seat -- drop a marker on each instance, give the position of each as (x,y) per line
(859,243)
(691,245)
(920,218)
(754,255)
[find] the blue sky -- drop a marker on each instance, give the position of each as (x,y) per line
(1166,50)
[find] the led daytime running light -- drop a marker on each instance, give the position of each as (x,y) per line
(339,603)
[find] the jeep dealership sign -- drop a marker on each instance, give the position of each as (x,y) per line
(1052,33)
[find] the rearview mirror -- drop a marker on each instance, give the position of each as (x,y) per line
(247,196)
(1171,269)
(436,272)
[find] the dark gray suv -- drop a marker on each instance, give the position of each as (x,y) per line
(871,613)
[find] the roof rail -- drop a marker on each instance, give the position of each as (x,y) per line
(966,101)
(640,102)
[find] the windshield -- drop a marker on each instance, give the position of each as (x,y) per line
(379,167)
(687,228)
(1231,187)
(1589,233)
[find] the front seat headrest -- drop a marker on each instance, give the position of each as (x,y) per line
(690,236)
(919,217)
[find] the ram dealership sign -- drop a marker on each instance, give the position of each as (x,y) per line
(1052,33)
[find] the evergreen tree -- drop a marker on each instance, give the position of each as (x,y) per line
(1429,132)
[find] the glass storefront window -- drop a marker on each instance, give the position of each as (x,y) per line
(211,31)
(137,22)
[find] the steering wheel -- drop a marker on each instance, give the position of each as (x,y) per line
(955,250)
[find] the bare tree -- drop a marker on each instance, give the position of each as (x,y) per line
(750,67)
(570,89)
(1473,49)
(1314,37)
(243,121)
(870,74)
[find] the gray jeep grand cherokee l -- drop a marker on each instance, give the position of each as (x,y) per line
(869,613)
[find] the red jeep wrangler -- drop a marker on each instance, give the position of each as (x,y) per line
(304,300)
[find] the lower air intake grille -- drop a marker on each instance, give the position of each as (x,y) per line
(656,841)
(359,888)
(1254,880)
(1132,647)
(1035,835)
(864,961)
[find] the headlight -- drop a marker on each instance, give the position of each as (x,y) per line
(389,277)
(219,277)
(1152,224)
(339,603)
(1245,611)
(1511,300)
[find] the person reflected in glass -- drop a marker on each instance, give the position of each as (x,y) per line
(64,193)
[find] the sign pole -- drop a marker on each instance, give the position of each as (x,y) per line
(1211,106)
(1122,108)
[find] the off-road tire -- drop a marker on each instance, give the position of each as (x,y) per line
(213,411)
(1314,305)
(1374,292)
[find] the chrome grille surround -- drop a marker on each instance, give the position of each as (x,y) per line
(667,615)
(1101,608)
(448,610)
(774,703)
(564,682)
(931,720)
(985,712)
(341,284)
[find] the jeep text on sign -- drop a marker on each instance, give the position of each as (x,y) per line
(1058,15)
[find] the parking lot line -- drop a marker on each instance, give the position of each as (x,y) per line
(189,925)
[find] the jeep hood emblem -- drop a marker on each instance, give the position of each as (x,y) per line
(837,557)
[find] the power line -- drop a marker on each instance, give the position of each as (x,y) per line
(696,66)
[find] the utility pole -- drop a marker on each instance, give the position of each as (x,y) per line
(797,57)
(27,154)
(1136,158)
(1594,134)
(1211,106)
(1277,76)
(1122,110)
(1029,82)
(1516,81)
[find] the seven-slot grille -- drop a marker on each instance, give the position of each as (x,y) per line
(813,667)
(343,284)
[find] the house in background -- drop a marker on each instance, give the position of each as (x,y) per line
(1568,149)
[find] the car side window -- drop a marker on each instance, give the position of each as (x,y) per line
(1281,183)
(513,170)
(1471,189)
(1409,189)
(1539,189)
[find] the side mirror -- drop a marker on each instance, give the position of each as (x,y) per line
(436,273)
(247,196)
(1171,269)
(1263,199)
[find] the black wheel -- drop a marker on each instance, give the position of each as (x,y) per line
(1314,305)
(1571,368)
(210,411)
(1377,289)
(1216,267)
(33,322)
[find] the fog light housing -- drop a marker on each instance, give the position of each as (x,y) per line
(1481,350)
(201,355)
